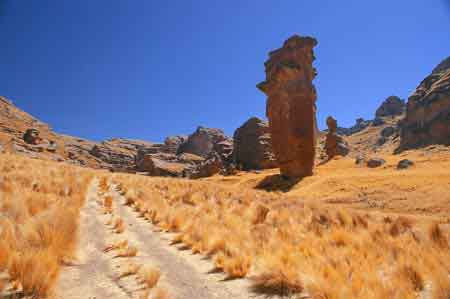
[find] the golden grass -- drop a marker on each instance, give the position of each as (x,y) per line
(287,246)
(149,276)
(128,251)
(130,269)
(119,226)
(39,208)
(160,293)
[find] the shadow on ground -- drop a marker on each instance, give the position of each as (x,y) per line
(277,182)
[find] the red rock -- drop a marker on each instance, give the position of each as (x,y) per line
(334,143)
(291,105)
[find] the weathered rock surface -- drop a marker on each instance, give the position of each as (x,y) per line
(375,162)
(252,145)
(159,167)
(119,154)
(172,143)
(388,131)
(202,141)
(405,163)
(392,106)
(291,105)
(427,118)
(334,143)
(31,136)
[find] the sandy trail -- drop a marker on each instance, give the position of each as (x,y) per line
(92,275)
(184,275)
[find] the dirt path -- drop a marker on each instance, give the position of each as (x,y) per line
(92,276)
(184,275)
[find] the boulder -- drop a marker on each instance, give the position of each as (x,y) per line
(405,163)
(202,141)
(427,118)
(31,136)
(375,162)
(334,143)
(291,105)
(211,166)
(158,167)
(252,145)
(391,106)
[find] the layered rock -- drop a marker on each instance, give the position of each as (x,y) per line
(427,118)
(160,167)
(172,143)
(202,141)
(253,146)
(291,105)
(392,106)
(334,143)
(219,161)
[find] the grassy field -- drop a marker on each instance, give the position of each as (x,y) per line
(39,207)
(315,238)
(288,243)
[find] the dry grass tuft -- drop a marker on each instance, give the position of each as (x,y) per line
(129,251)
(131,269)
(437,236)
(161,293)
(119,245)
(149,276)
(119,226)
(277,283)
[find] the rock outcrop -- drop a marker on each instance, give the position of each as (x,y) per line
(172,143)
(202,141)
(291,105)
(31,136)
(159,167)
(427,118)
(392,106)
(252,146)
(334,144)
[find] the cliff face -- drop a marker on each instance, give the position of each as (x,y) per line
(291,105)
(427,118)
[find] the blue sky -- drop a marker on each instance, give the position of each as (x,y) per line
(148,69)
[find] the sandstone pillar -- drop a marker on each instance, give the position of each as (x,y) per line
(291,107)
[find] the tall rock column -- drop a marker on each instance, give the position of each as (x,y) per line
(291,105)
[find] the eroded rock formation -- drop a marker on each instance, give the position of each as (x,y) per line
(253,146)
(291,105)
(427,118)
(334,143)
(202,141)
(392,106)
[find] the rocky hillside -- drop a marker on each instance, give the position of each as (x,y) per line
(427,118)
(24,134)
